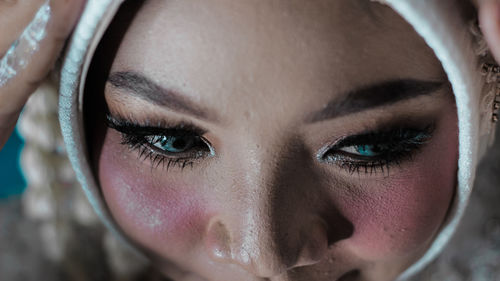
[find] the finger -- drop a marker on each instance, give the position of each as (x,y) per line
(28,61)
(489,20)
(15,15)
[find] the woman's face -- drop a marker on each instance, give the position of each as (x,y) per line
(277,140)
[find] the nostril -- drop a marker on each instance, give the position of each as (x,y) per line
(351,275)
(261,251)
(218,241)
(315,244)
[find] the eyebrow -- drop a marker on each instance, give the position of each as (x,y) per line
(370,97)
(140,86)
(378,95)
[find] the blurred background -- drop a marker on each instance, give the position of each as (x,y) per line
(48,230)
(13,182)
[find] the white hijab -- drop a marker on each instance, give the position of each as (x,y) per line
(439,23)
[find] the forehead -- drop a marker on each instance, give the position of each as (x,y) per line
(245,52)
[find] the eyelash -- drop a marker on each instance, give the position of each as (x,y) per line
(144,137)
(399,144)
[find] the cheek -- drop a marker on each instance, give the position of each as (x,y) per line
(402,219)
(399,215)
(167,216)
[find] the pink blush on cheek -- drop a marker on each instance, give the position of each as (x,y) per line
(162,215)
(399,221)
(405,212)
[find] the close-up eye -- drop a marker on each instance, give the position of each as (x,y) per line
(173,143)
(373,151)
(179,144)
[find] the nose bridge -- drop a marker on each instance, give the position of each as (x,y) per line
(266,233)
(258,243)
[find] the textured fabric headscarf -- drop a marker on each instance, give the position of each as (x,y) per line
(440,23)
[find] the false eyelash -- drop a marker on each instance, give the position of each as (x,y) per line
(401,145)
(156,159)
(134,134)
(382,165)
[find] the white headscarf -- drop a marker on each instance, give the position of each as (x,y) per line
(439,23)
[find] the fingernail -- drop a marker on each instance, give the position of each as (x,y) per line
(20,53)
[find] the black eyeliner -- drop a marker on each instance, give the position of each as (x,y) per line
(135,135)
(400,143)
(398,133)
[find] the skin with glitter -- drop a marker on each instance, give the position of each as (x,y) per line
(291,98)
(20,53)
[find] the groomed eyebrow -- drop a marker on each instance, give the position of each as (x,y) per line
(378,95)
(370,97)
(140,86)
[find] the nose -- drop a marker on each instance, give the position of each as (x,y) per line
(258,245)
(275,224)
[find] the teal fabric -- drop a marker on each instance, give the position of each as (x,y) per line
(12,181)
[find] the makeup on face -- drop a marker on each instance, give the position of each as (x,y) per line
(158,141)
(237,132)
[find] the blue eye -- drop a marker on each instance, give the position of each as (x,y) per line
(365,150)
(377,150)
(179,144)
(172,144)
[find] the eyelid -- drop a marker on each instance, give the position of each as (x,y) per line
(149,126)
(135,135)
(403,144)
(378,135)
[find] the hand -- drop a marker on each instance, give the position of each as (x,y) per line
(32,35)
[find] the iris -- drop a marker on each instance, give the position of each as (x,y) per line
(367,150)
(173,144)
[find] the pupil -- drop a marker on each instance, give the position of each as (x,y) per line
(375,148)
(368,150)
(179,143)
(364,150)
(176,144)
